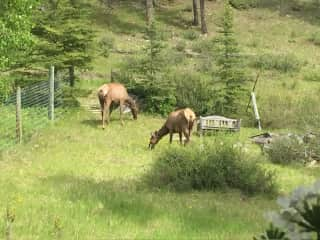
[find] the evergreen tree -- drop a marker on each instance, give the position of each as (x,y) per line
(230,72)
(64,35)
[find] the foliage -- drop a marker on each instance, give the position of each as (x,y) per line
(286,150)
(299,216)
(203,46)
(283,63)
(213,166)
(243,4)
(190,35)
(230,72)
(315,38)
(64,35)
(181,46)
(272,233)
(145,76)
(106,44)
(194,92)
(312,76)
(15,25)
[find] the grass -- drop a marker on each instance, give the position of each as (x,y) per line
(89,181)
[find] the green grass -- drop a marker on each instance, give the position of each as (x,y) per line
(89,181)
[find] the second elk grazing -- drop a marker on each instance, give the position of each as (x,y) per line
(180,121)
(115,93)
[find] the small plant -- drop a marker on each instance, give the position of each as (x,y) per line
(106,44)
(203,46)
(315,38)
(299,214)
(272,233)
(243,4)
(181,46)
(286,150)
(282,63)
(312,76)
(190,35)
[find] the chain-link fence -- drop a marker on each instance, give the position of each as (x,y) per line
(29,109)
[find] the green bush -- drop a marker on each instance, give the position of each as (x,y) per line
(203,46)
(181,46)
(286,150)
(315,38)
(190,35)
(106,44)
(298,216)
(243,4)
(282,63)
(215,166)
(312,76)
(195,92)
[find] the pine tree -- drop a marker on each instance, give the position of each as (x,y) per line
(64,35)
(230,72)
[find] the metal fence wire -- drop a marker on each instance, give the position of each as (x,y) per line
(34,112)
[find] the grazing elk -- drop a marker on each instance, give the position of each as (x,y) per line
(115,93)
(180,121)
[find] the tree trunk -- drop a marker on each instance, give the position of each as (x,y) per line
(71,76)
(195,13)
(204,29)
(149,8)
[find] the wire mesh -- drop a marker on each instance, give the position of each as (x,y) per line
(34,112)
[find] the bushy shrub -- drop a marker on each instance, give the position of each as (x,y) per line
(190,34)
(312,76)
(299,215)
(285,150)
(203,46)
(195,92)
(282,63)
(181,46)
(243,4)
(214,166)
(315,38)
(106,44)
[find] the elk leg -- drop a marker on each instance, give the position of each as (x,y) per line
(180,137)
(121,109)
(171,134)
(185,133)
(106,113)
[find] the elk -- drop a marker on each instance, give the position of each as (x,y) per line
(180,121)
(115,93)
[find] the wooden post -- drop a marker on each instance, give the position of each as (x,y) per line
(255,109)
(18,116)
(51,94)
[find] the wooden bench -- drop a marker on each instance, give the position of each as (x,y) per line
(218,123)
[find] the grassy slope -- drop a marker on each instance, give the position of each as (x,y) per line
(89,181)
(69,173)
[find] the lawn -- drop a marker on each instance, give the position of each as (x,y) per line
(75,181)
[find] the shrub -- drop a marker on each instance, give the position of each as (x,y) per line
(286,150)
(312,76)
(194,92)
(216,166)
(282,63)
(181,46)
(190,35)
(315,38)
(243,4)
(203,46)
(106,44)
(299,214)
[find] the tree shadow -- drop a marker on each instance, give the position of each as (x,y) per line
(173,17)
(306,11)
(121,25)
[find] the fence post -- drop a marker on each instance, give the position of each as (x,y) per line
(18,116)
(51,94)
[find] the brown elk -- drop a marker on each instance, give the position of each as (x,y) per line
(180,121)
(115,93)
